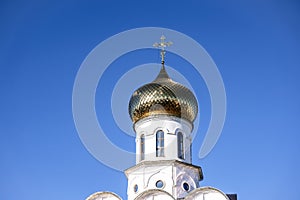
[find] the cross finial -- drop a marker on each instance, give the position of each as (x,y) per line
(162,45)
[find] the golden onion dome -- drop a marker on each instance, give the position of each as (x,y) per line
(163,96)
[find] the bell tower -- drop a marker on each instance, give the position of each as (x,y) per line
(163,113)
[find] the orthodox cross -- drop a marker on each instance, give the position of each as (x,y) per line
(162,45)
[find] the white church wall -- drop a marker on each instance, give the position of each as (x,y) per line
(170,126)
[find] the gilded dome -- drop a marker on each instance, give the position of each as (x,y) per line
(163,96)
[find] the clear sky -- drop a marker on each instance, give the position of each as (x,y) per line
(255,45)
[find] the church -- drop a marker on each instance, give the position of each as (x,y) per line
(163,113)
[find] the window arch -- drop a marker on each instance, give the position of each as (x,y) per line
(142,147)
(160,143)
(180,145)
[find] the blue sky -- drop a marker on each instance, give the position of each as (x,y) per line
(255,45)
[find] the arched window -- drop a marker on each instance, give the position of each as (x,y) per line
(160,143)
(142,147)
(180,146)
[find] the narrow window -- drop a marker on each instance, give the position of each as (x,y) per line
(160,143)
(135,188)
(142,147)
(180,146)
